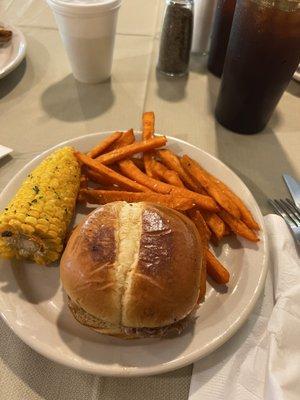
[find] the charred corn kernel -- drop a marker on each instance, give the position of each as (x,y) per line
(35,222)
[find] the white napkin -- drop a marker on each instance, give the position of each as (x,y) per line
(262,360)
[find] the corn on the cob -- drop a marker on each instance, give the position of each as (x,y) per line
(35,222)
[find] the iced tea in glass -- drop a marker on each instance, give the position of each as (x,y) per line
(262,55)
(220,35)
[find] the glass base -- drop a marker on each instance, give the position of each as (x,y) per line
(172,74)
(241,129)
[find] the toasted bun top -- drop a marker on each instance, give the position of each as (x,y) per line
(134,265)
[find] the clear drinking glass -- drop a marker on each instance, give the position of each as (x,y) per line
(262,56)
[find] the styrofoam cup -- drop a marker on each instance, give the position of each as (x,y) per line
(88,30)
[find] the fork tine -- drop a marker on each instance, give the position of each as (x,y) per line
(274,205)
(287,211)
(279,211)
(296,211)
(282,212)
(281,208)
(291,210)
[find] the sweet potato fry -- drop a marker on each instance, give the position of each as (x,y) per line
(148,158)
(204,247)
(215,223)
(98,178)
(128,168)
(148,125)
(138,162)
(246,215)
(196,172)
(204,233)
(110,174)
(104,144)
(125,139)
(148,131)
(216,270)
(107,196)
(84,180)
(169,176)
(238,226)
(202,288)
(129,150)
(227,231)
(108,188)
(171,161)
(200,223)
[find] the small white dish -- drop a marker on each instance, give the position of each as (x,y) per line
(13,52)
(4,151)
(33,304)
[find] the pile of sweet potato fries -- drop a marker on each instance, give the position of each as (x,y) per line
(132,171)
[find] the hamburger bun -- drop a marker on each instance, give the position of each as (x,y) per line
(133,270)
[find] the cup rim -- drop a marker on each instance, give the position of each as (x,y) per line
(68,8)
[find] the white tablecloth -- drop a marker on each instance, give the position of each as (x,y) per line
(42,105)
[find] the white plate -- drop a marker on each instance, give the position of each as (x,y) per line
(33,304)
(13,52)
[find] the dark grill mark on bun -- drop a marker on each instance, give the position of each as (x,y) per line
(102,244)
(156,244)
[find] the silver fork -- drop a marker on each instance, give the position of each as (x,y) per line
(290,213)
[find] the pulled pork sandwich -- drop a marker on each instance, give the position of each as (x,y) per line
(133,270)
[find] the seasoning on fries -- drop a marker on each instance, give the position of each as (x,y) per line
(104,144)
(131,171)
(216,270)
(108,196)
(200,223)
(215,223)
(167,175)
(148,132)
(196,173)
(238,227)
(110,173)
(172,162)
(131,149)
(125,139)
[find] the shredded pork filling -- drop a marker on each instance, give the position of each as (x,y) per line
(89,320)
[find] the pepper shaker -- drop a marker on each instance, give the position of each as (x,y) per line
(176,38)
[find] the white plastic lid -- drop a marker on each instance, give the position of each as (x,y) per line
(83,7)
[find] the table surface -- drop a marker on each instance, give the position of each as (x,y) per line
(42,105)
